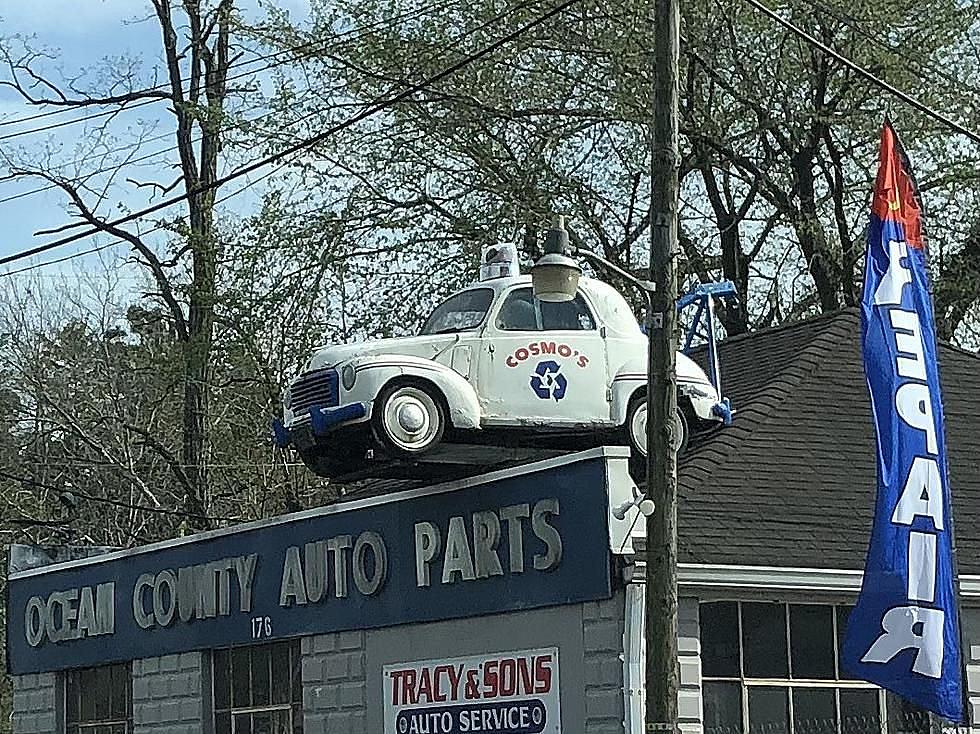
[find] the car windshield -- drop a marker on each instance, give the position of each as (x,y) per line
(463,311)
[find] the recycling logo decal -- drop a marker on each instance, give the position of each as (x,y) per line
(548,381)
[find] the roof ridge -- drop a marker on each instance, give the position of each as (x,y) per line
(781,386)
(788,325)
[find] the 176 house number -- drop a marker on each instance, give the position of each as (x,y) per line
(261,627)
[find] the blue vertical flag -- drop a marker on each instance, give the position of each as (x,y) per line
(904,633)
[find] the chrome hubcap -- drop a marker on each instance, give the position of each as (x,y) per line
(638,430)
(411,419)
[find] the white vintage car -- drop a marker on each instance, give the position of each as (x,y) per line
(489,358)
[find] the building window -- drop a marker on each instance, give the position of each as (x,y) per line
(99,700)
(258,689)
(775,668)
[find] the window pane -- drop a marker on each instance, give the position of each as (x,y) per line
(86,699)
(221,663)
(842,616)
(811,636)
(119,696)
(262,723)
(99,690)
(297,661)
(222,723)
(566,315)
(281,674)
(814,711)
(242,724)
(722,707)
(719,639)
(261,680)
(904,717)
(240,680)
(71,697)
(764,640)
(769,709)
(518,312)
(859,711)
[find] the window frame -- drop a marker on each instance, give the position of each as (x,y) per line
(789,684)
(293,707)
(79,725)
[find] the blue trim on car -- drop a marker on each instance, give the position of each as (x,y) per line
(321,421)
(723,409)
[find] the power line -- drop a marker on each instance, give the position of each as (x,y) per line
(124,105)
(164,86)
(372,109)
(855,25)
(861,71)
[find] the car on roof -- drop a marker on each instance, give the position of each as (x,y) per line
(490,358)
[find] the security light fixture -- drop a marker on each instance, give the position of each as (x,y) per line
(555,275)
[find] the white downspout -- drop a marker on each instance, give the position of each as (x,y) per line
(633,660)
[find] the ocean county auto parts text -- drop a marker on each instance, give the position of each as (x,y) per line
(464,549)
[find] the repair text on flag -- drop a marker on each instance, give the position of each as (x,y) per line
(904,633)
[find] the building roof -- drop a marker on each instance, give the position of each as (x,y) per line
(792,482)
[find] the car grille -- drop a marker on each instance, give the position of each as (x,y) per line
(317,388)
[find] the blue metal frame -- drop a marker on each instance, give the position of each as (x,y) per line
(703,325)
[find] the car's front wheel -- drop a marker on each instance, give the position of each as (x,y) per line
(636,430)
(408,418)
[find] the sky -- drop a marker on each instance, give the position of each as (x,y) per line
(82,34)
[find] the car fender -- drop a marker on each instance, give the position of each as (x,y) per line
(627,380)
(376,371)
(632,376)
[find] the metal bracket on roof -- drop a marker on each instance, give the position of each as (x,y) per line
(703,296)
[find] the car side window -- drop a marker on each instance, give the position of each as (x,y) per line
(523,312)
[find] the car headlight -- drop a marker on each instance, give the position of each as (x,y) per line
(287,398)
(348,376)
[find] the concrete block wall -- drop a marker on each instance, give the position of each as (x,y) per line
(36,703)
(334,683)
(973,685)
(690,711)
(603,626)
(169,694)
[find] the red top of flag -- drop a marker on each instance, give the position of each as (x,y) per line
(896,196)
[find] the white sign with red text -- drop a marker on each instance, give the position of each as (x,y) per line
(499,693)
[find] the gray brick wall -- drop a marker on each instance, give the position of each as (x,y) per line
(689,710)
(334,682)
(603,626)
(169,694)
(36,703)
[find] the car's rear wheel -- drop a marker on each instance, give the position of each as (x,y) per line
(408,418)
(636,430)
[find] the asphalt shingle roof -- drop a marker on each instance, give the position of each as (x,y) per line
(792,482)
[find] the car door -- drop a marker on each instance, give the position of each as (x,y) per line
(542,362)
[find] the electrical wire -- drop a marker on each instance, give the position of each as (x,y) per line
(867,75)
(372,109)
(855,25)
(165,86)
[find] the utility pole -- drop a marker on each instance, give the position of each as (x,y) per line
(662,672)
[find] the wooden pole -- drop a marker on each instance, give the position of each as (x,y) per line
(662,671)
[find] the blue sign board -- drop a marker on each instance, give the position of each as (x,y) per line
(518,542)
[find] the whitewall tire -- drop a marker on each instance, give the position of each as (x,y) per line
(408,419)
